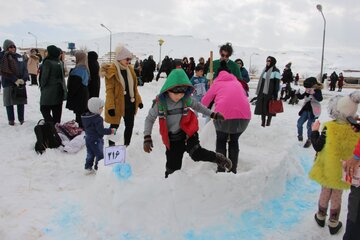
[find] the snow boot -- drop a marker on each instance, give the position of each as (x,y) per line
(334,226)
(320,219)
(268,121)
(223,162)
(89,171)
(307,143)
(262,120)
(234,157)
(300,138)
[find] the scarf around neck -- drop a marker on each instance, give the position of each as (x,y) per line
(130,79)
(8,64)
(267,81)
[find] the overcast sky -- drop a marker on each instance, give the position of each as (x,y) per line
(275,25)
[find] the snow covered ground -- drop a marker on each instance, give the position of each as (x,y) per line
(48,196)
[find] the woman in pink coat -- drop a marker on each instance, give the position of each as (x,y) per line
(231,100)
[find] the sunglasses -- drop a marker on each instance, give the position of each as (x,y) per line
(224,55)
(268,61)
(128,59)
(12,46)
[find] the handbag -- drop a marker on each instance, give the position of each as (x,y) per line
(275,106)
(19,92)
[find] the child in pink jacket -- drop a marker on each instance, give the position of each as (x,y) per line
(231,100)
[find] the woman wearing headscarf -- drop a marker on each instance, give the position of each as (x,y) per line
(267,89)
(14,73)
(122,96)
(52,86)
(78,93)
(94,81)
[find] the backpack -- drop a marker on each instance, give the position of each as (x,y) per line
(46,136)
(70,129)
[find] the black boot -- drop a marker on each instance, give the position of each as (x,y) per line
(334,226)
(307,143)
(263,120)
(268,121)
(223,162)
(234,157)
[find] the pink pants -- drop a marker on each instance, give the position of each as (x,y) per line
(334,197)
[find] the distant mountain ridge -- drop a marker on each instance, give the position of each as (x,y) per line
(306,62)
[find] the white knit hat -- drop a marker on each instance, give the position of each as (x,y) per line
(341,107)
(94,105)
(122,53)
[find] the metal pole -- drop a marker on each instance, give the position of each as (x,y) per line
(160,55)
(319,7)
(110,38)
(34,37)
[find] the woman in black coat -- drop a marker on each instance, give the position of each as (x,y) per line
(267,89)
(94,81)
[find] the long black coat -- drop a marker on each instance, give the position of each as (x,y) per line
(94,80)
(78,95)
(262,101)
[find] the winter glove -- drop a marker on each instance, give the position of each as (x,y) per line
(217,116)
(111,112)
(141,105)
(19,82)
(113,131)
(148,144)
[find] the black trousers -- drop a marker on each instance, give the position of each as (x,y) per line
(222,139)
(55,110)
(129,125)
(192,146)
(33,79)
(353,218)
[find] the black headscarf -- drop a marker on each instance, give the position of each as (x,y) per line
(272,62)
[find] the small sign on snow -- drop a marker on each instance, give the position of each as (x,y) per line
(114,154)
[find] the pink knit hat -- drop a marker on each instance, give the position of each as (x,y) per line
(122,53)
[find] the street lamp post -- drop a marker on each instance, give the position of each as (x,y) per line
(250,61)
(34,37)
(161,41)
(319,7)
(110,38)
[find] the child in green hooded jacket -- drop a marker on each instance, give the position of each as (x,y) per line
(179,124)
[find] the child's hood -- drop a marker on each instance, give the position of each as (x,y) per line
(177,77)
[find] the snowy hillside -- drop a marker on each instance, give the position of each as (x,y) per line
(305,61)
(271,197)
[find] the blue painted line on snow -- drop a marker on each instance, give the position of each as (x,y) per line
(280,214)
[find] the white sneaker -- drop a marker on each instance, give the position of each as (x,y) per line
(89,171)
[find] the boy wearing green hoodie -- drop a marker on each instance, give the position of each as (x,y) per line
(179,124)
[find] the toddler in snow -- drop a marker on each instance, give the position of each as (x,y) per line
(179,124)
(311,109)
(93,125)
(336,143)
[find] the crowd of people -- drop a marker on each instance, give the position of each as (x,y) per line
(189,89)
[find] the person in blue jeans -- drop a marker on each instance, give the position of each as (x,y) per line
(311,109)
(93,125)
(199,82)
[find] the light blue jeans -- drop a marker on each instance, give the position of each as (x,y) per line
(305,116)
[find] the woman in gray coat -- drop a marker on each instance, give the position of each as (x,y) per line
(52,86)
(14,74)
